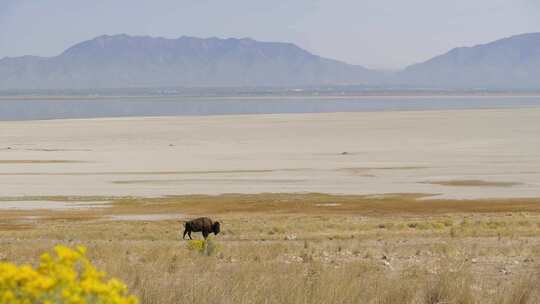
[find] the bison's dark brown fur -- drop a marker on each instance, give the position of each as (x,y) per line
(202,224)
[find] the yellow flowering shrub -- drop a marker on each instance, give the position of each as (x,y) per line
(206,247)
(68,277)
(196,245)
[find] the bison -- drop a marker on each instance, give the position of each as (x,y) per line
(202,224)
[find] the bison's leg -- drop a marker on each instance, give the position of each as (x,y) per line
(205,234)
(185,232)
(189,234)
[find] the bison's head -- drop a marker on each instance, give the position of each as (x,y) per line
(216,228)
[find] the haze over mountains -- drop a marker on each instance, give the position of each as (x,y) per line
(507,63)
(123,61)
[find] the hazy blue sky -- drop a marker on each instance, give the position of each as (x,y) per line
(374,33)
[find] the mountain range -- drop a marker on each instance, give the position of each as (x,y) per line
(126,61)
(123,61)
(507,63)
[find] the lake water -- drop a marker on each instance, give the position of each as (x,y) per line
(39,109)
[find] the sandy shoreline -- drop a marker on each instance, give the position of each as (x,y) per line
(456,153)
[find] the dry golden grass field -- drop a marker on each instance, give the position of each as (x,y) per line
(297,248)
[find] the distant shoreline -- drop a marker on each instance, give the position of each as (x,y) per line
(66,107)
(277,96)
